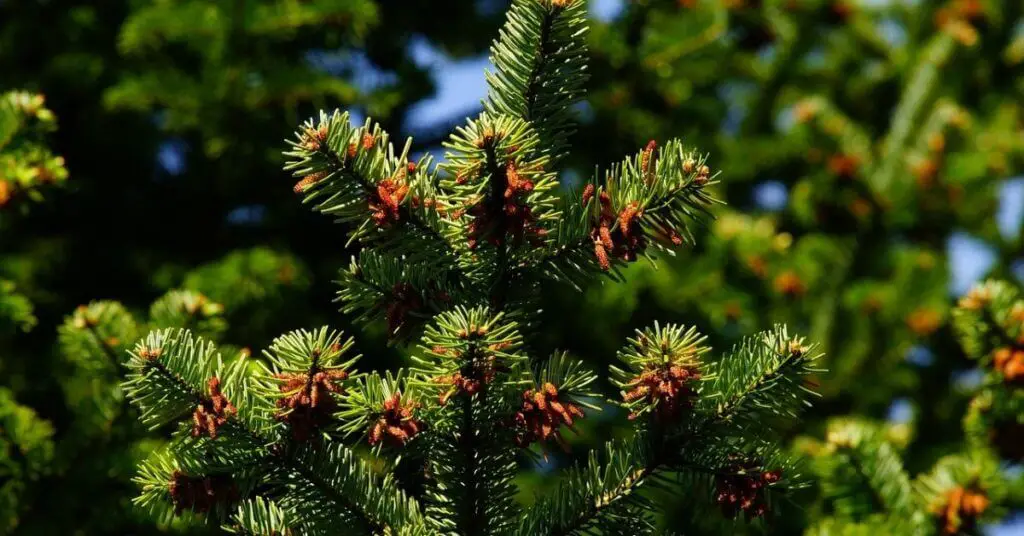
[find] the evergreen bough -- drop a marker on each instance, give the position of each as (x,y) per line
(299,441)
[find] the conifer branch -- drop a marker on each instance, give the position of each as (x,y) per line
(649,199)
(762,378)
(540,68)
(354,174)
(271,433)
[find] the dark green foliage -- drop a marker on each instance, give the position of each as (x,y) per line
(26,454)
(173,113)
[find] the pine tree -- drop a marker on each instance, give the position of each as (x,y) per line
(453,255)
(865,487)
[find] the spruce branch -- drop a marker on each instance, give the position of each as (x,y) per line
(601,494)
(187,309)
(354,174)
(498,193)
(331,485)
(406,294)
(990,317)
(309,371)
(94,336)
(473,361)
(167,381)
(763,378)
(170,374)
(681,432)
(649,199)
(540,69)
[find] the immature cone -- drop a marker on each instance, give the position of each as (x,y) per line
(307,404)
(474,376)
(396,424)
(959,511)
(647,163)
(200,493)
(615,235)
(212,412)
(308,181)
(385,202)
(741,488)
(542,414)
(507,217)
(667,388)
(312,139)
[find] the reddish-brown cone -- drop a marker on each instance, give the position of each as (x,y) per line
(308,404)
(667,387)
(542,414)
(475,374)
(588,194)
(212,412)
(647,166)
(509,217)
(617,235)
(396,424)
(314,137)
(385,202)
(200,493)
(740,488)
(308,181)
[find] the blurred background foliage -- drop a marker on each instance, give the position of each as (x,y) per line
(869,154)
